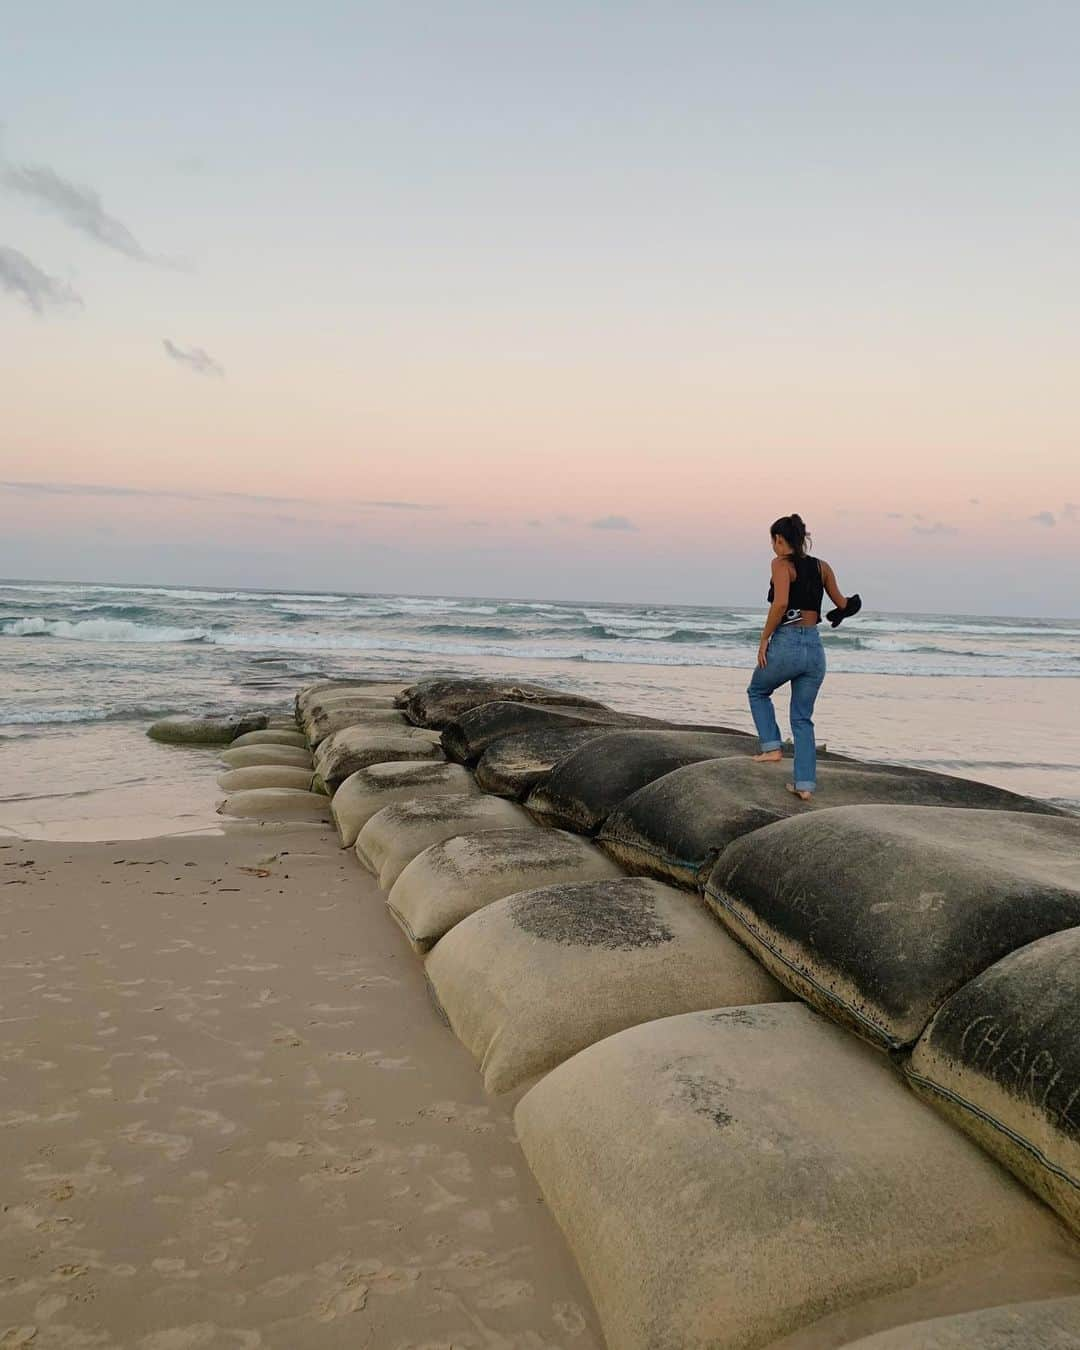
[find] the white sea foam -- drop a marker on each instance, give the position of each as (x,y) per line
(100,630)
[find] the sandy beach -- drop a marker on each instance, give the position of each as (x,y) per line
(231,1117)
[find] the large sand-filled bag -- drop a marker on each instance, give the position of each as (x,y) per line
(271,736)
(727,1177)
(434,703)
(465,738)
(1002,1060)
(358,747)
(276,804)
(677,825)
(326,692)
(252,756)
(514,765)
(369,790)
(532,979)
(395,835)
(590,783)
(265,776)
(877,914)
(449,881)
(1046,1324)
(328,721)
(205,730)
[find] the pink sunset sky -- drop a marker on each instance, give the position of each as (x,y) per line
(567,302)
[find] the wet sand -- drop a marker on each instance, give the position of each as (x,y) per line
(230,1117)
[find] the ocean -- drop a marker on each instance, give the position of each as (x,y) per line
(85,667)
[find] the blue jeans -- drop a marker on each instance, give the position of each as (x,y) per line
(795,656)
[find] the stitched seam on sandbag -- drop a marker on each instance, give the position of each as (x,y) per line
(687,866)
(404,923)
(998,1125)
(827,994)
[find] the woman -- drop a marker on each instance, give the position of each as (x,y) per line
(790,650)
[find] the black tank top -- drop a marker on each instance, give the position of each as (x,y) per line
(805,591)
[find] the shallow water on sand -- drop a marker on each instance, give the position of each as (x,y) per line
(83,671)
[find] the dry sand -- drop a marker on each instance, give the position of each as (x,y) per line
(230,1117)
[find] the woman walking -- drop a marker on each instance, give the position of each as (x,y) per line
(790,651)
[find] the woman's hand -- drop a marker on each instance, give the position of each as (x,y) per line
(763,653)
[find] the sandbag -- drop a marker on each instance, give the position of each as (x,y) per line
(369,790)
(727,1177)
(271,736)
(325,691)
(514,765)
(532,979)
(205,730)
(357,747)
(449,881)
(326,721)
(251,756)
(265,776)
(877,914)
(466,737)
(434,703)
(675,826)
(276,804)
(591,782)
(1046,1324)
(1001,1059)
(393,837)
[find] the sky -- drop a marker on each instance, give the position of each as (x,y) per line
(559,299)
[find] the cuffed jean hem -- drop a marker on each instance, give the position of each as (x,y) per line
(766,746)
(805,787)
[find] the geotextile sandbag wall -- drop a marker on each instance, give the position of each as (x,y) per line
(732,1168)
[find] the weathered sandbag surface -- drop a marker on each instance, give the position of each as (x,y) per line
(358,747)
(434,703)
(327,721)
(877,914)
(1002,1060)
(395,835)
(271,736)
(325,691)
(675,826)
(451,880)
(590,783)
(369,790)
(205,730)
(276,804)
(514,765)
(727,1177)
(265,776)
(532,979)
(465,738)
(252,756)
(1043,1324)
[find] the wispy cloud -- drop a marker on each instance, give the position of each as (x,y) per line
(894,515)
(938,527)
(1043,518)
(195,359)
(75,204)
(402,506)
(27,282)
(612,523)
(1071,511)
(39,489)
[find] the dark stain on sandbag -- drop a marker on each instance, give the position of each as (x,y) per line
(740,1017)
(425,773)
(583,916)
(705,1097)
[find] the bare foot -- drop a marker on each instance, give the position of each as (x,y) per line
(768,757)
(799,792)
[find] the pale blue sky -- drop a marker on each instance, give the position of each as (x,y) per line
(692,265)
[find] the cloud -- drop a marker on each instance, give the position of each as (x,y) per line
(1071,511)
(938,527)
(612,523)
(402,506)
(974,501)
(1043,518)
(76,205)
(202,363)
(895,515)
(174,494)
(534,524)
(29,283)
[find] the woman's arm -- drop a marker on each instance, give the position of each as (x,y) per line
(833,590)
(781,580)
